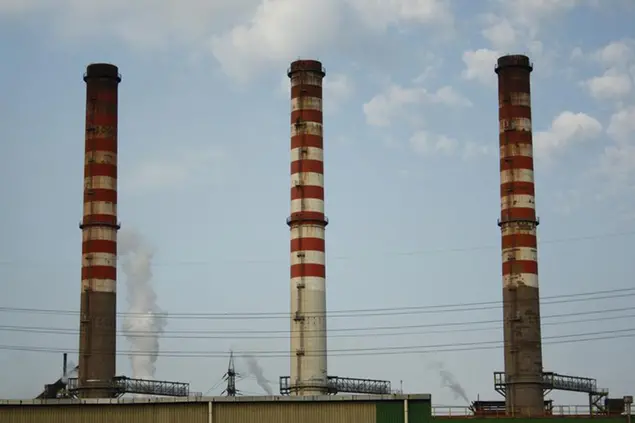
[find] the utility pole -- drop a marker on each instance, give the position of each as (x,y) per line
(230,377)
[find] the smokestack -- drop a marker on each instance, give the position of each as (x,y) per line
(97,344)
(518,222)
(307,223)
(64,365)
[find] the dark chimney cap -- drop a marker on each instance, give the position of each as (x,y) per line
(514,61)
(102,71)
(314,66)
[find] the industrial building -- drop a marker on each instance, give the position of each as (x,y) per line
(309,394)
(291,409)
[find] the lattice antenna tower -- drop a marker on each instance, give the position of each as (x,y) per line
(230,377)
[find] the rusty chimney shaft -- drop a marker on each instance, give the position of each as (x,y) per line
(518,222)
(98,311)
(307,223)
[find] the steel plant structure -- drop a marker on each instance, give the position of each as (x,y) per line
(524,383)
(98,310)
(518,222)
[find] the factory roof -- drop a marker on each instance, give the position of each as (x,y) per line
(199,399)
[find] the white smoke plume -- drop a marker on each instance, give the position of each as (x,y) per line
(71,371)
(256,371)
(144,321)
(448,380)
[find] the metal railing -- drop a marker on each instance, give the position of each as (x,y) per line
(123,385)
(338,384)
(556,411)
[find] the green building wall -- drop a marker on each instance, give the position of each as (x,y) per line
(419,411)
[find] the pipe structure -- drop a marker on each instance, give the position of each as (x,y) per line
(518,223)
(98,311)
(307,223)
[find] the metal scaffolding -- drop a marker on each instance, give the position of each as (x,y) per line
(554,381)
(121,385)
(337,384)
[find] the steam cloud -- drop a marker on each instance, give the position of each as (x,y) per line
(145,321)
(448,380)
(255,370)
(71,371)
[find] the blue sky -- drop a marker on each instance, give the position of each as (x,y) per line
(411,173)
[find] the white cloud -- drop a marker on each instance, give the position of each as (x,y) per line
(379,14)
(278,32)
(576,53)
(622,125)
(17,6)
(245,36)
(612,85)
(139,23)
(450,97)
(166,171)
(480,65)
(432,66)
(426,143)
(500,33)
(515,26)
(531,13)
(618,79)
(567,202)
(616,53)
(282,30)
(384,107)
(566,129)
(338,88)
(381,109)
(617,164)
(472,149)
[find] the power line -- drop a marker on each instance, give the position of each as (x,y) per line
(187,334)
(392,311)
(408,349)
(371,255)
(215,386)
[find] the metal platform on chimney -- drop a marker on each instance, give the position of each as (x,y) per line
(337,384)
(554,381)
(121,385)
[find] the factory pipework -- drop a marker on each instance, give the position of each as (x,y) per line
(518,222)
(97,344)
(307,223)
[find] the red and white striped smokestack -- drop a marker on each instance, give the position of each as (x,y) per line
(518,222)
(307,223)
(97,346)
